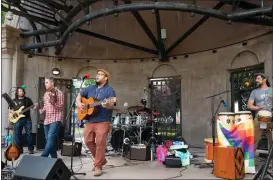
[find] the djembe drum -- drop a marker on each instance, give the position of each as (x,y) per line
(264,117)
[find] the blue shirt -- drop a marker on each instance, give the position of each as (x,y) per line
(105,92)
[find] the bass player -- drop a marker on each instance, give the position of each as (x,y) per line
(24,122)
(98,125)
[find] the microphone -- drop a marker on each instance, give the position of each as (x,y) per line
(23,86)
(224,103)
(85,76)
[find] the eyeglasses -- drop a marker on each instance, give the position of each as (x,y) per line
(100,74)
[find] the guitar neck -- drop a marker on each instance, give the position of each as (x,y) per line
(25,110)
(96,103)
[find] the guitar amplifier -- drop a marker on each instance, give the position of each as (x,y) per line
(138,152)
(229,163)
(67,149)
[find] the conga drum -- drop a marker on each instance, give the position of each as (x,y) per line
(243,116)
(209,149)
(227,120)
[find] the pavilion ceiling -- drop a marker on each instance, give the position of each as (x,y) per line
(61,18)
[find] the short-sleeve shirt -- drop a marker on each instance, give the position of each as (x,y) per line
(105,92)
(26,102)
(262,97)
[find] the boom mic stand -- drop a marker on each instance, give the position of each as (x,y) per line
(213,120)
(72,109)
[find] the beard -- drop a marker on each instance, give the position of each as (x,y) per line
(258,84)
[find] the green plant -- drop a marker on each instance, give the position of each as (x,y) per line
(3,15)
(88,82)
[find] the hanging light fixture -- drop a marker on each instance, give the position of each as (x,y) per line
(55,71)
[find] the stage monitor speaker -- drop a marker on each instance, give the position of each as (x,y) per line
(38,168)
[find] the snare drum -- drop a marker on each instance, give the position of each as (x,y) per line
(209,149)
(227,120)
(243,116)
(264,116)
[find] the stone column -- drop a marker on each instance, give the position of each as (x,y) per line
(10,37)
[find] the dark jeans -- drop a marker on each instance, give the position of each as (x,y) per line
(18,128)
(51,134)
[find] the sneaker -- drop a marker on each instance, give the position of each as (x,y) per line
(105,161)
(98,172)
(31,152)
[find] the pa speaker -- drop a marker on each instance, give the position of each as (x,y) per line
(38,168)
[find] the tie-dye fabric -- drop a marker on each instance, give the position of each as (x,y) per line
(242,135)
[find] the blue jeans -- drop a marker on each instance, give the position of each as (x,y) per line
(51,134)
(18,128)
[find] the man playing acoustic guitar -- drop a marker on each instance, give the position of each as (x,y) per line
(22,100)
(98,125)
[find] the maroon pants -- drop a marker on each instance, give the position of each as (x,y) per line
(95,135)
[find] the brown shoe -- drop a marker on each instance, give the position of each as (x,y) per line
(98,172)
(105,162)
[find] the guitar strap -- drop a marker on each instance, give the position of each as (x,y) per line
(97,92)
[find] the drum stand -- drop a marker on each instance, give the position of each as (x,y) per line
(152,144)
(264,169)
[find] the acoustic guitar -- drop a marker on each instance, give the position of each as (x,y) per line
(90,107)
(12,153)
(14,116)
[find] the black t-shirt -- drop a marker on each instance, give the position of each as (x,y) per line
(24,102)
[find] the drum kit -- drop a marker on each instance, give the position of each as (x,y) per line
(136,125)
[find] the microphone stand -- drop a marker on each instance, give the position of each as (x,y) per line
(213,120)
(72,109)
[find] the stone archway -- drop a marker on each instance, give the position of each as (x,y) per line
(91,70)
(164,70)
(244,59)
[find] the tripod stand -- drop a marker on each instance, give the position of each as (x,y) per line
(264,169)
(72,109)
(152,139)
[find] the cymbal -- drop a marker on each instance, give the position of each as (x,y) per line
(134,108)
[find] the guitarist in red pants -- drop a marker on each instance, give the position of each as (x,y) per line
(98,125)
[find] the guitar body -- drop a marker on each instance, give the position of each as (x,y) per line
(16,115)
(88,110)
(12,153)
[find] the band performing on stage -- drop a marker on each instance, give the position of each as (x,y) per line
(135,132)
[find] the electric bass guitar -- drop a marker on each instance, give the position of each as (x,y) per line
(14,116)
(90,107)
(12,152)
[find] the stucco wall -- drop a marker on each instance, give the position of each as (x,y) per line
(202,75)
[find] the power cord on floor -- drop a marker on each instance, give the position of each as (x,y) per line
(180,174)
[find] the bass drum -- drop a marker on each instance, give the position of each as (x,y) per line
(117,138)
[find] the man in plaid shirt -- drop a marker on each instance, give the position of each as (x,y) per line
(53,107)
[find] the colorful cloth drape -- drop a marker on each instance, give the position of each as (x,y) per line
(241,135)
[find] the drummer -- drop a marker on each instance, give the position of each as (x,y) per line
(262,97)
